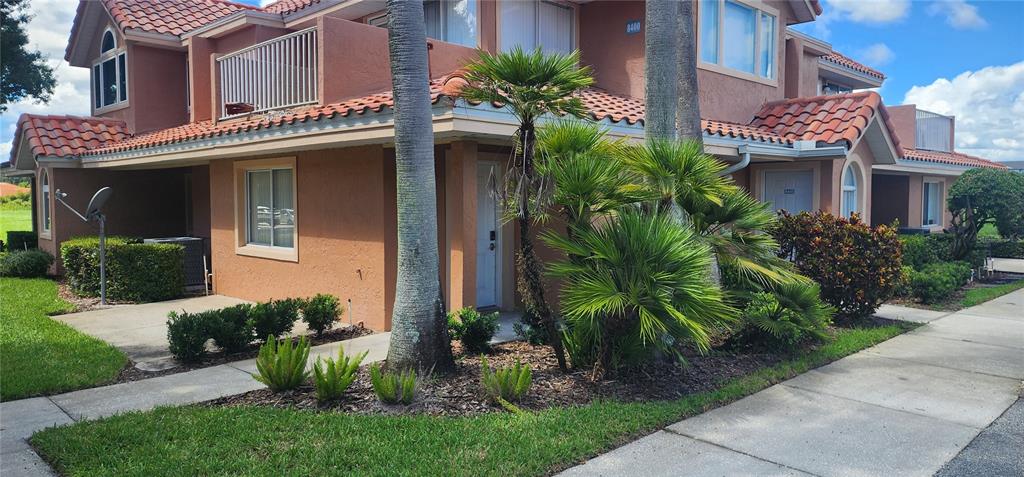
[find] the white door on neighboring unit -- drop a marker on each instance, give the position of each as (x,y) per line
(488,230)
(792,191)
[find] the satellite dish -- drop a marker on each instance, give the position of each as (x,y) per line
(98,199)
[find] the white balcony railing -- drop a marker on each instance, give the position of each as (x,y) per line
(275,74)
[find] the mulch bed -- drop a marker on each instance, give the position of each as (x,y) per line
(459,394)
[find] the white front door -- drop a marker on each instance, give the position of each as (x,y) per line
(792,191)
(488,231)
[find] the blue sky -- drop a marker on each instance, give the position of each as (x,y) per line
(964,58)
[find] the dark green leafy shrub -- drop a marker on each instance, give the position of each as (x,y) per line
(473,329)
(22,240)
(858,267)
(25,263)
(281,365)
(275,317)
(505,384)
(906,275)
(919,250)
(321,312)
(333,377)
(1005,248)
(139,272)
(187,335)
(231,329)
(392,387)
(937,281)
(791,315)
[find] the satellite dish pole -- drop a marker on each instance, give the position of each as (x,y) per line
(93,212)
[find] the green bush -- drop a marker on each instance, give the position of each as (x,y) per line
(858,267)
(22,240)
(937,281)
(1005,248)
(391,387)
(231,329)
(187,335)
(790,315)
(473,329)
(505,384)
(25,263)
(918,250)
(333,377)
(282,365)
(275,317)
(321,312)
(139,272)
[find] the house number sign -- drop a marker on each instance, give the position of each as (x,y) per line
(633,27)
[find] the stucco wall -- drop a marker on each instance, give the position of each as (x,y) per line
(904,121)
(156,89)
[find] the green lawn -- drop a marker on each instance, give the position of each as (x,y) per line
(41,356)
(197,440)
(14,220)
(988,231)
(977,296)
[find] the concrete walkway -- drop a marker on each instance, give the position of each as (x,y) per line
(905,407)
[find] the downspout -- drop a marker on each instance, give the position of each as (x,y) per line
(744,161)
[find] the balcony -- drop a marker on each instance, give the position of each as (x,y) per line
(275,74)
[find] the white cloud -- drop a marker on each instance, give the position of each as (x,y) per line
(877,55)
(959,14)
(875,12)
(989,109)
(48,31)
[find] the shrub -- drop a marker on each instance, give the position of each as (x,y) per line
(981,196)
(187,334)
(858,267)
(1005,248)
(274,318)
(320,312)
(332,377)
(231,329)
(473,329)
(391,387)
(22,240)
(282,365)
(139,272)
(918,250)
(25,263)
(935,282)
(790,315)
(505,384)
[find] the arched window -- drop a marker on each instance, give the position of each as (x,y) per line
(44,180)
(849,198)
(108,43)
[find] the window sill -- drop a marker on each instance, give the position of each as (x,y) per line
(272,253)
(736,74)
(48,235)
(113,107)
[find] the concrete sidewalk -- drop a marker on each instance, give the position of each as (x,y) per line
(20,419)
(904,407)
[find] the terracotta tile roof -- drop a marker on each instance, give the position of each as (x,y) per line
(285,7)
(951,158)
(831,119)
(172,17)
(7,189)
(843,60)
(67,136)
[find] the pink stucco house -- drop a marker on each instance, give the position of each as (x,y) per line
(267,131)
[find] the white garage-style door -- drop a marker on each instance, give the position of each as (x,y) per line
(792,191)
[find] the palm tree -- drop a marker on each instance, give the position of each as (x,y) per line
(679,174)
(530,85)
(419,336)
(661,68)
(688,100)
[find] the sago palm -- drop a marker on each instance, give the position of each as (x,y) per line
(641,286)
(530,85)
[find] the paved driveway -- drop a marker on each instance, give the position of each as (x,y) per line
(905,407)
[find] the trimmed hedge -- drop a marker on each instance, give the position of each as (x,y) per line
(18,240)
(1005,248)
(139,272)
(25,263)
(937,281)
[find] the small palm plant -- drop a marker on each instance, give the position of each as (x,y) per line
(393,387)
(332,377)
(789,315)
(504,385)
(530,85)
(282,365)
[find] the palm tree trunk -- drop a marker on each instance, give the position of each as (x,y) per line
(660,68)
(532,285)
(688,101)
(419,335)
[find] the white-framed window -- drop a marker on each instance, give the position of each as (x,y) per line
(44,185)
(270,207)
(110,73)
(739,37)
(454,21)
(932,203)
(849,199)
(531,24)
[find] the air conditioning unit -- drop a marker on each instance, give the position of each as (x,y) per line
(192,265)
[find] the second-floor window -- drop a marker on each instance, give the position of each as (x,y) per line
(548,25)
(110,73)
(738,36)
(453,21)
